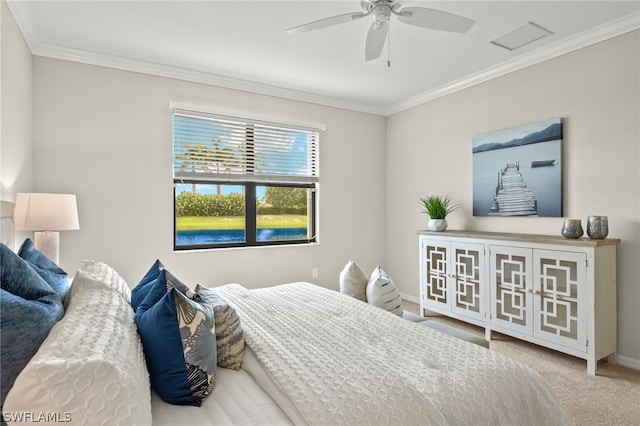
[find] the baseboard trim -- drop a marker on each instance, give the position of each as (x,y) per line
(629,362)
(622,360)
(410,298)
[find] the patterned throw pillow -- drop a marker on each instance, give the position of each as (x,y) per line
(228,330)
(383,293)
(179,347)
(353,281)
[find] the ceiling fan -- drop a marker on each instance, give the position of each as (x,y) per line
(381,11)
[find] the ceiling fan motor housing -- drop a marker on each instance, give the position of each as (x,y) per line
(381,14)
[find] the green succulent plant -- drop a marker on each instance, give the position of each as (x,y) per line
(438,206)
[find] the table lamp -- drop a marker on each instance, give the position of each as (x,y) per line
(46,214)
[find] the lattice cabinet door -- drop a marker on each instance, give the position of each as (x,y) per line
(467,280)
(435,271)
(556,292)
(560,297)
(511,281)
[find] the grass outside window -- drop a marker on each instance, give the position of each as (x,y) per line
(237,222)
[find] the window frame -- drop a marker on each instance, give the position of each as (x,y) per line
(250,216)
(259,130)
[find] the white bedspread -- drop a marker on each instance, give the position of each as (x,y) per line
(341,361)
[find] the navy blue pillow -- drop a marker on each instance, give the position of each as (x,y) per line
(140,290)
(29,308)
(154,291)
(179,347)
(45,267)
(156,273)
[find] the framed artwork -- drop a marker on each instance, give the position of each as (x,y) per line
(518,171)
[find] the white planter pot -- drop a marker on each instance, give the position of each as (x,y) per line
(437,224)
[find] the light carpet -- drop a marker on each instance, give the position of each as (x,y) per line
(612,397)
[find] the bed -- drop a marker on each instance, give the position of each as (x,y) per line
(309,356)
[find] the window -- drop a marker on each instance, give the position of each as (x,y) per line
(242,182)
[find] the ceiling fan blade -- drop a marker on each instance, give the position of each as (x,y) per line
(435,19)
(326,22)
(375,40)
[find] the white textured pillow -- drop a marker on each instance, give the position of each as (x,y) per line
(96,274)
(383,293)
(91,367)
(353,281)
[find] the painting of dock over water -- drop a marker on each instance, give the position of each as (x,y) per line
(518,171)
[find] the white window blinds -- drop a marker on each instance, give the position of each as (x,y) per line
(210,147)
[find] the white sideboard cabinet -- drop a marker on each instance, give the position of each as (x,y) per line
(555,292)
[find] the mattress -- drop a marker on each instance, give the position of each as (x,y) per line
(236,400)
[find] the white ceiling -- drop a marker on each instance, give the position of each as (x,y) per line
(243,44)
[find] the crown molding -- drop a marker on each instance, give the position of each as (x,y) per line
(604,32)
(612,29)
(22,16)
(177,73)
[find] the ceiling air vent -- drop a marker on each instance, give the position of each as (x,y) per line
(524,35)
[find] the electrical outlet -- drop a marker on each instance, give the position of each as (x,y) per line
(314,272)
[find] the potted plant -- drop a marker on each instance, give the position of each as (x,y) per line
(438,207)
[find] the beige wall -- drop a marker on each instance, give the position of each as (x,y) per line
(106,135)
(597,92)
(16,170)
(16,153)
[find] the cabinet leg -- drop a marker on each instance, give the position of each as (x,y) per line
(591,366)
(612,359)
(487,334)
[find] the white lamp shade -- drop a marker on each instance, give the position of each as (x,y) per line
(45,212)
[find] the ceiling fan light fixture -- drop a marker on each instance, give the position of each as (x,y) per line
(522,36)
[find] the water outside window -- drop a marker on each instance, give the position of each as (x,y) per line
(282,213)
(210,214)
